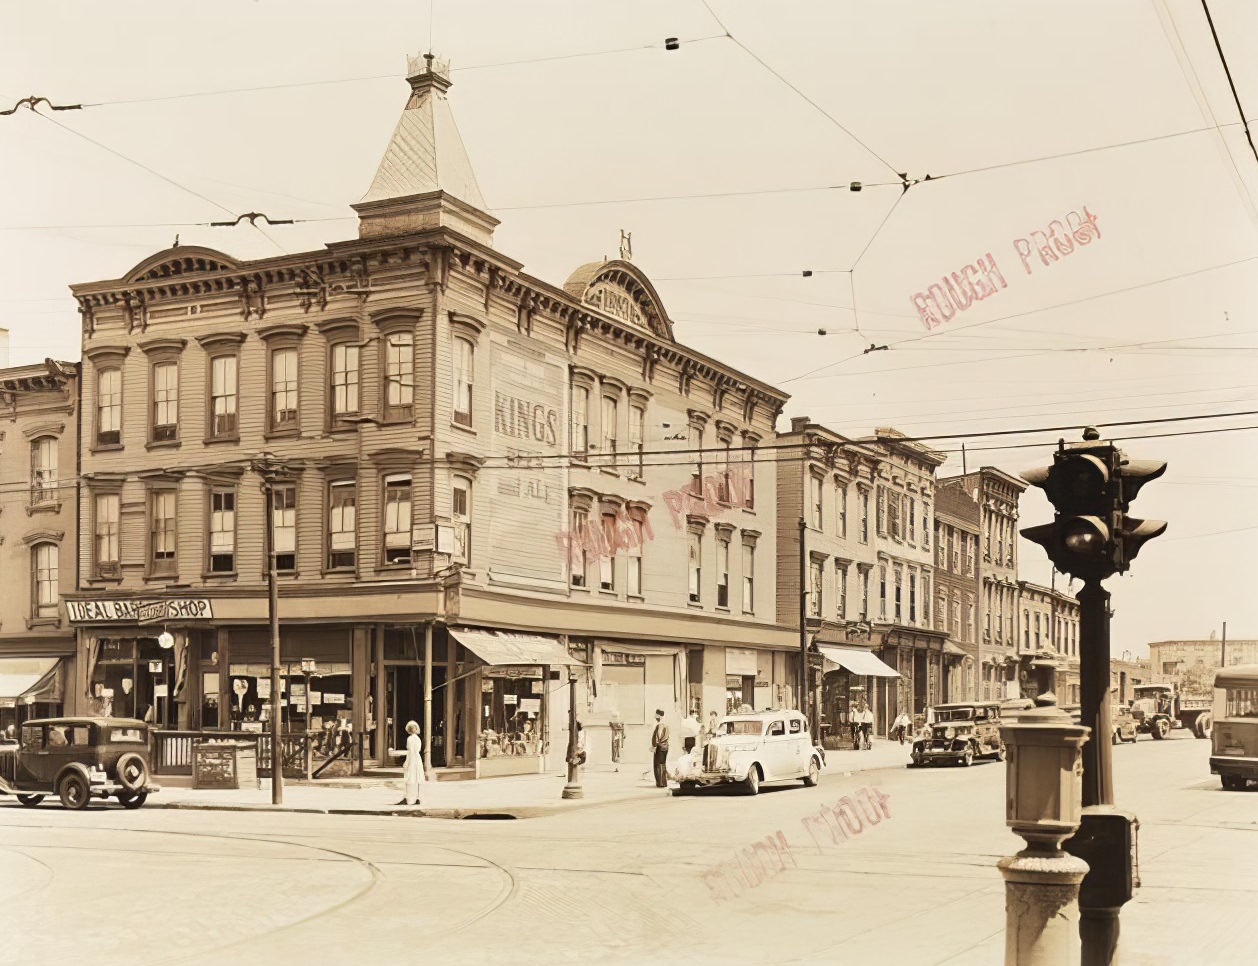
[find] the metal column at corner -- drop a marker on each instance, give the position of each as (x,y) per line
(1094,712)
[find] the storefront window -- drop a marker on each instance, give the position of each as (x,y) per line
(315,696)
(511,705)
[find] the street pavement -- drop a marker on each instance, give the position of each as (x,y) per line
(708,878)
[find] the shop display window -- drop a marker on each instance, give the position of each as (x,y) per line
(511,704)
(315,697)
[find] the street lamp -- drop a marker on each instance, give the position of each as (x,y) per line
(166,641)
(268,469)
(573,788)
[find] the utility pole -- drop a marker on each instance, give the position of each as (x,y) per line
(803,622)
(1223,648)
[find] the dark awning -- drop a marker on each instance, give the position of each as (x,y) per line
(503,648)
(24,680)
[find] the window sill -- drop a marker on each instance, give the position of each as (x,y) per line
(106,448)
(339,571)
(696,604)
(33,622)
(609,594)
(722,610)
(395,568)
(635,598)
(153,444)
(609,471)
(161,578)
(104,580)
(293,433)
(218,575)
(579,588)
(45,507)
(219,440)
(468,427)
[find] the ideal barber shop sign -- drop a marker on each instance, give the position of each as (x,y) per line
(139,611)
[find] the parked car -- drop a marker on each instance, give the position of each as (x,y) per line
(959,733)
(1123,724)
(750,748)
(78,759)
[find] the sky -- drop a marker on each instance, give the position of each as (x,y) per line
(730,160)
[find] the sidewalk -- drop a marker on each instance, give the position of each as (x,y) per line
(517,796)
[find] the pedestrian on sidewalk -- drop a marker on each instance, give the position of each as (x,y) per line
(864,719)
(618,737)
(900,728)
(659,747)
(690,728)
(579,752)
(413,769)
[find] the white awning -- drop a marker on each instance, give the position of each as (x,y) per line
(18,675)
(502,648)
(857,661)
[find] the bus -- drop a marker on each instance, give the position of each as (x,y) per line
(1234,744)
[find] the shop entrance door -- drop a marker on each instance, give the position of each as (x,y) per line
(404,698)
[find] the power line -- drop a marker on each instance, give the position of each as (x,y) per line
(833,120)
(1231,83)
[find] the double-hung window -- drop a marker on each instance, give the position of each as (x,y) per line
(222,531)
(580,420)
(163,532)
(342,524)
(749,578)
(637,434)
(814,588)
(399,375)
(283,390)
(464,355)
(578,528)
(397,519)
(44,581)
(44,470)
(722,571)
(461,512)
(633,559)
(345,380)
(105,536)
(224,387)
(109,407)
(284,526)
(607,556)
(611,416)
(840,502)
(165,402)
(694,554)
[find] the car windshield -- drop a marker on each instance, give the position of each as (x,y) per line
(954,714)
(734,727)
(126,734)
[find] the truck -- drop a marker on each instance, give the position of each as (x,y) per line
(1161,708)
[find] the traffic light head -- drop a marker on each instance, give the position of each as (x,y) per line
(1090,486)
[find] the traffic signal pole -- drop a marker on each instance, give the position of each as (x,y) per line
(1094,658)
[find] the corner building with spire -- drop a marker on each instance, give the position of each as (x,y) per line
(480,484)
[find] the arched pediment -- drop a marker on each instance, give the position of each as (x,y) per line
(182,260)
(620,289)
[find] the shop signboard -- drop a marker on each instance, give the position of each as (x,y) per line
(105,611)
(531,705)
(529,494)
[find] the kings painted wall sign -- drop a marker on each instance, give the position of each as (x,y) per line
(139,611)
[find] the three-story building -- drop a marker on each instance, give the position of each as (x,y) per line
(470,478)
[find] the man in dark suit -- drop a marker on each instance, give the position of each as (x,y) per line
(659,747)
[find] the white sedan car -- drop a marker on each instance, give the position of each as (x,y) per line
(761,746)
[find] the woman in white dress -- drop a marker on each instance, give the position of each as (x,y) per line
(413,769)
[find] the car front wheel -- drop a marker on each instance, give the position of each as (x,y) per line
(74,792)
(814,773)
(968,758)
(132,799)
(752,782)
(30,801)
(1161,728)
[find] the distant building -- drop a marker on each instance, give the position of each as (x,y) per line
(1191,664)
(957,584)
(997,494)
(38,535)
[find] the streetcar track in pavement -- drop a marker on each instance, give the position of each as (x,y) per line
(508,889)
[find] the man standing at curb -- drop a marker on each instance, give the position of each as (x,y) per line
(659,747)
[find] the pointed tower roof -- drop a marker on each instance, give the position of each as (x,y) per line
(425,179)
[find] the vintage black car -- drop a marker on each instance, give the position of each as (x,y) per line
(78,759)
(960,733)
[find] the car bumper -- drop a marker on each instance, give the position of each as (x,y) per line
(932,755)
(1238,765)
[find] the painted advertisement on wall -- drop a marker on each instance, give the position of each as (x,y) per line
(528,494)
